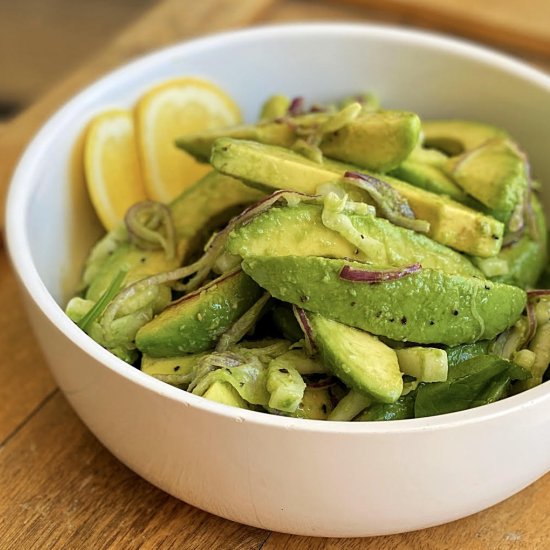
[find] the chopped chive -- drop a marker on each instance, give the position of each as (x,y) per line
(101,304)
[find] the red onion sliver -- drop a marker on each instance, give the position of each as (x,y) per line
(303,321)
(325,382)
(532,323)
(349,273)
(391,203)
(538,292)
(296,106)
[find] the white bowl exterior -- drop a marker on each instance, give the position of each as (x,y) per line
(287,475)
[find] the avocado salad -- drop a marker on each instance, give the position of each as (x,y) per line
(339,262)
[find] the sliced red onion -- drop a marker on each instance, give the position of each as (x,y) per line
(316,108)
(538,292)
(532,322)
(391,203)
(303,321)
(325,381)
(265,204)
(357,275)
(296,106)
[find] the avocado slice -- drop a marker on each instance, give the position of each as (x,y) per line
(177,371)
(206,205)
(274,107)
(454,137)
(195,322)
(451,223)
(378,140)
(427,306)
(358,358)
(225,393)
(196,212)
(495,173)
(213,200)
(316,404)
(299,230)
(433,179)
(137,264)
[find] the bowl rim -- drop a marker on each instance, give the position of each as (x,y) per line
(25,178)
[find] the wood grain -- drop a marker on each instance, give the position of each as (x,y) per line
(61,489)
(520,523)
(24,379)
(521,26)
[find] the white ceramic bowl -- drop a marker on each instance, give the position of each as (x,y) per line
(295,476)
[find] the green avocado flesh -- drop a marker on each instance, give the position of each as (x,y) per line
(494,173)
(426,307)
(454,137)
(299,230)
(212,200)
(359,359)
(225,393)
(195,322)
(196,212)
(430,178)
(177,371)
(137,264)
(378,140)
(451,223)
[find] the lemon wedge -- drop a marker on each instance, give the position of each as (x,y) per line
(111,166)
(170,110)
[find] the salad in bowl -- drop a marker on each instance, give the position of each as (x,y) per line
(336,261)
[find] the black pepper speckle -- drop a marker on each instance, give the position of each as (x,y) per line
(403,320)
(455,312)
(176,368)
(284,371)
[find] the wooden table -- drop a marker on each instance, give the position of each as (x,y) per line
(59,487)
